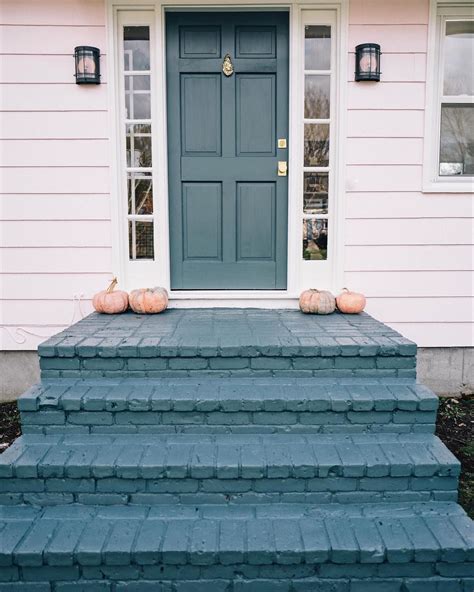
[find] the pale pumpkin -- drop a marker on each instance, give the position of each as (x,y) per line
(110,301)
(148,300)
(350,302)
(317,302)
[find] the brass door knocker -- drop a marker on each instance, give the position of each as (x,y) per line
(227,65)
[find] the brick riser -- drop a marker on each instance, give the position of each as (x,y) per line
(255,549)
(337,366)
(230,406)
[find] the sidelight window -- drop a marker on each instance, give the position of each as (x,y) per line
(316,141)
(138,141)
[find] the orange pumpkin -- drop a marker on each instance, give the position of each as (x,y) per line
(317,302)
(148,300)
(350,302)
(110,301)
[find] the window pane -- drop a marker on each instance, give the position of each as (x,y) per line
(136,48)
(316,144)
(317,47)
(459,58)
(315,196)
(315,240)
(137,82)
(140,239)
(316,97)
(138,106)
(457,140)
(138,145)
(140,194)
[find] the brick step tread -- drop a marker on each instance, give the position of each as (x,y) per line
(230,395)
(228,457)
(225,535)
(227,333)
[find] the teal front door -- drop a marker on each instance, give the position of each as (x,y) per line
(227,100)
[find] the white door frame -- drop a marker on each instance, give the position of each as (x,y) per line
(301,274)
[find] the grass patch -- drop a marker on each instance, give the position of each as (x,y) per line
(455,426)
(9,424)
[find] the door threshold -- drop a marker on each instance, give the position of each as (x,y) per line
(232,299)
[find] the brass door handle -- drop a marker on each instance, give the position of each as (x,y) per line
(282,168)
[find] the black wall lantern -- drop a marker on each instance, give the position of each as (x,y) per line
(367,66)
(87,64)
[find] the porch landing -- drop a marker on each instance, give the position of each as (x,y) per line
(228,342)
(180,330)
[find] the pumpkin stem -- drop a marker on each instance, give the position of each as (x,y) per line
(113,283)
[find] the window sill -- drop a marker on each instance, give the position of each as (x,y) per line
(465,186)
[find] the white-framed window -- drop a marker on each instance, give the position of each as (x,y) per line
(318,155)
(449,137)
(137,213)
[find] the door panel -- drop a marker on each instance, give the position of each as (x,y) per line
(201,114)
(228,207)
(255,221)
(255,114)
(202,221)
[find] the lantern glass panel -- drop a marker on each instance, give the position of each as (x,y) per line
(368,61)
(459,58)
(317,47)
(316,145)
(136,48)
(87,65)
(315,193)
(315,239)
(317,96)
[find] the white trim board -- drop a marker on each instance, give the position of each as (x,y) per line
(301,274)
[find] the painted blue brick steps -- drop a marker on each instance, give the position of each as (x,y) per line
(225,469)
(228,342)
(231,451)
(289,547)
(206,404)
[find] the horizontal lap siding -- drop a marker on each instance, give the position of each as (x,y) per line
(55,156)
(409,251)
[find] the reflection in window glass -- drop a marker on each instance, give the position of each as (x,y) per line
(138,137)
(316,96)
(137,105)
(317,47)
(136,45)
(457,140)
(315,193)
(459,58)
(316,145)
(140,194)
(140,243)
(315,239)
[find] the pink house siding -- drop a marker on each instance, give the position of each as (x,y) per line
(55,179)
(408,251)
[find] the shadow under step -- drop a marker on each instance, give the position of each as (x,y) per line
(229,405)
(241,469)
(394,547)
